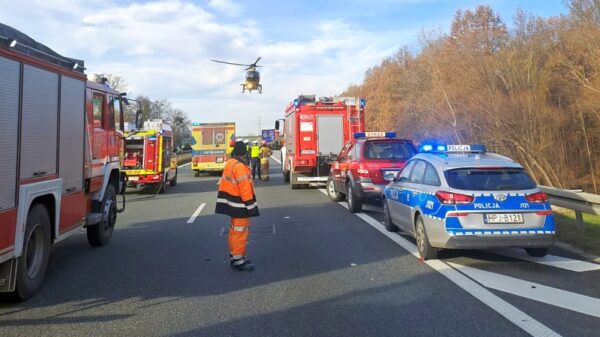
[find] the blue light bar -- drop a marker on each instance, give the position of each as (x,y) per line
(362,102)
(296,102)
(359,135)
(195,124)
(462,148)
(388,134)
(441,148)
(426,148)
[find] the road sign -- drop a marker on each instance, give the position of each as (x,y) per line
(268,135)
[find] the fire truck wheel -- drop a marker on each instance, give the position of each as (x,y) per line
(173,182)
(354,203)
(33,263)
(286,176)
(333,194)
(100,234)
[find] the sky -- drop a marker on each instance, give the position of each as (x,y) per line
(163,48)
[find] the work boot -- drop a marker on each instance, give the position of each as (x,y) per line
(242,265)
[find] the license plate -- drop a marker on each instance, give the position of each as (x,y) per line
(219,159)
(503,218)
(133,178)
(389,175)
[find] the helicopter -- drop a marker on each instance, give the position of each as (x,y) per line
(252,81)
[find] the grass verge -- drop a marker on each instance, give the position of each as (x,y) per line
(566,231)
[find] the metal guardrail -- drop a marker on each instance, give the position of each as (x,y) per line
(577,200)
(183,157)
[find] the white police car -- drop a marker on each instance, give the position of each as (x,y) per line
(459,196)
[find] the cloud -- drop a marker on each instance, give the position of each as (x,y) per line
(226,7)
(163,48)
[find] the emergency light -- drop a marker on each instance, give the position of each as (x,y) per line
(296,102)
(389,134)
(461,148)
(362,102)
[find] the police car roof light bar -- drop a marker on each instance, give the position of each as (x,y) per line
(388,134)
(441,148)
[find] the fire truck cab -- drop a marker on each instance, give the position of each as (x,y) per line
(149,158)
(61,140)
(314,131)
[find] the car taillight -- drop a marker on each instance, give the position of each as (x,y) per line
(537,197)
(363,172)
(195,161)
(450,198)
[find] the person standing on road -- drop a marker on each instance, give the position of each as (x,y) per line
(265,153)
(255,159)
(236,199)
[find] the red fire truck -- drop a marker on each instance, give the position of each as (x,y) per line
(61,140)
(314,132)
(149,156)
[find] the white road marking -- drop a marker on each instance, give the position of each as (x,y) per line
(180,166)
(533,291)
(550,260)
(275,159)
(514,315)
(196,213)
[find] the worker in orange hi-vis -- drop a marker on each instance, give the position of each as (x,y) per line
(236,198)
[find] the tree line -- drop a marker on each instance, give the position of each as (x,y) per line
(531,92)
(155,109)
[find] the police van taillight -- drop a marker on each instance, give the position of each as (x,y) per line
(538,197)
(449,198)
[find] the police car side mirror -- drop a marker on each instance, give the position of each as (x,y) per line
(398,179)
(276,125)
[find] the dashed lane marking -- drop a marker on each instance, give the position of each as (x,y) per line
(533,291)
(196,213)
(508,311)
(550,260)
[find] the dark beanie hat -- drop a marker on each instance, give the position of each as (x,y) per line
(239,149)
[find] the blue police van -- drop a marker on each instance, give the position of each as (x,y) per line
(462,197)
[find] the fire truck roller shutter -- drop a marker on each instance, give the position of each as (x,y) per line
(39,118)
(331,134)
(9,112)
(72,108)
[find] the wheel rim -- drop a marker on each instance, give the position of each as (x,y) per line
(34,255)
(110,214)
(331,189)
(420,235)
(349,197)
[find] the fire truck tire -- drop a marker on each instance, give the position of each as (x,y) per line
(196,173)
(286,176)
(354,203)
(332,193)
(100,234)
(173,182)
(33,263)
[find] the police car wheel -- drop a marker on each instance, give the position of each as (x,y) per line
(333,194)
(387,218)
(425,249)
(537,252)
(354,204)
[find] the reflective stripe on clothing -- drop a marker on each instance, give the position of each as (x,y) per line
(236,193)
(235,181)
(238,240)
(239,228)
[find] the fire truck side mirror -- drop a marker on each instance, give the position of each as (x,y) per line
(276,125)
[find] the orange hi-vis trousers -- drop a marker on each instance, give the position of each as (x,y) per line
(238,237)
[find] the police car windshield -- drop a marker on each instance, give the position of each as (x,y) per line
(487,179)
(388,150)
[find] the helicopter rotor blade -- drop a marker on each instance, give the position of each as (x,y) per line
(255,62)
(235,64)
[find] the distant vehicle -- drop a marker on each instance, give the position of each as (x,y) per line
(212,146)
(252,80)
(459,196)
(149,158)
(365,165)
(314,131)
(60,170)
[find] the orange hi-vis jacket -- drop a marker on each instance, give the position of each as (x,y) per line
(236,195)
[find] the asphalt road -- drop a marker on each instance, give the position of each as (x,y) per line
(320,271)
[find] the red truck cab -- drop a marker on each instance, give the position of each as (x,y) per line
(365,165)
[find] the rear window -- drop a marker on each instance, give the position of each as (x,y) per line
(386,150)
(478,179)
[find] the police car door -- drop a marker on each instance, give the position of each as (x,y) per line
(399,193)
(412,194)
